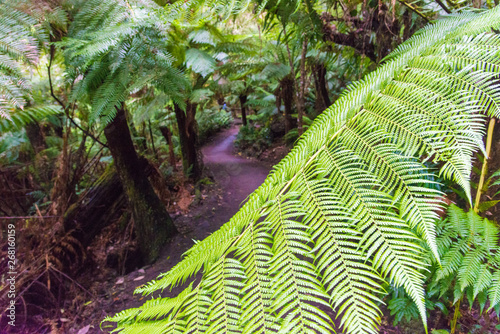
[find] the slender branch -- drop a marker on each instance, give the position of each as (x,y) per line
(52,51)
(415,10)
(302,86)
(442,5)
(484,169)
(71,279)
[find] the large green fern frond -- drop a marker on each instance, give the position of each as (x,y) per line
(109,39)
(21,117)
(17,45)
(348,208)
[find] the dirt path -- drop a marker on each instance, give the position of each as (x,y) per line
(235,178)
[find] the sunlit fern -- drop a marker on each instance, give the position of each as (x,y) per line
(19,118)
(17,45)
(349,206)
(120,46)
(123,46)
(470,259)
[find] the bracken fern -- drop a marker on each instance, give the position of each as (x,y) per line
(349,207)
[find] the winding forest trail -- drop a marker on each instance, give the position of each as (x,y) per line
(238,177)
(235,177)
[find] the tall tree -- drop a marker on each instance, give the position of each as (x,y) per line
(152,223)
(106,41)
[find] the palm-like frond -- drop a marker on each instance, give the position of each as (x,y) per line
(130,36)
(21,117)
(16,45)
(350,205)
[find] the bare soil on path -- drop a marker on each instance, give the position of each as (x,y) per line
(234,178)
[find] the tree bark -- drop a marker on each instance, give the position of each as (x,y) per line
(165,131)
(153,224)
(35,137)
(298,97)
(153,142)
(188,134)
(243,100)
(287,95)
(322,98)
(95,209)
(301,92)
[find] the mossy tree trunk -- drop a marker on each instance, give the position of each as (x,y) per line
(243,100)
(153,224)
(188,135)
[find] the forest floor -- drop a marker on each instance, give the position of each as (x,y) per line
(230,178)
(234,177)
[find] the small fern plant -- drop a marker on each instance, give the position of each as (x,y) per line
(345,213)
(469,267)
(470,259)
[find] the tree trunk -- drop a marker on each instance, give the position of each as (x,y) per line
(35,137)
(153,224)
(138,139)
(287,96)
(188,134)
(153,142)
(322,98)
(243,100)
(165,131)
(301,92)
(95,209)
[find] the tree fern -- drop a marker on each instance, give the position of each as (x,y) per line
(109,39)
(17,45)
(348,208)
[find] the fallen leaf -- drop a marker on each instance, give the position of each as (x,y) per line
(84,330)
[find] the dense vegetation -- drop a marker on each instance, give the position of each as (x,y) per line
(384,103)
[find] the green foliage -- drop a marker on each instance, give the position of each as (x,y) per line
(347,210)
(210,121)
(402,307)
(200,62)
(12,144)
(470,267)
(492,181)
(17,45)
(470,259)
(20,117)
(107,40)
(293,134)
(253,140)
